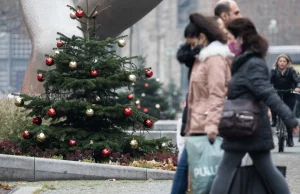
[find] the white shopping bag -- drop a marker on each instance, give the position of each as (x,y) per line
(180,140)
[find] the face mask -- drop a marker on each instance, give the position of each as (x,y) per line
(235,47)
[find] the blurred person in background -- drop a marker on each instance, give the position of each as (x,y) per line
(284,78)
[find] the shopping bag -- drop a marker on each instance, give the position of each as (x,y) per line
(247,180)
(204,159)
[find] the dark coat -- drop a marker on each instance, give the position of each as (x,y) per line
(285,81)
(186,55)
(250,80)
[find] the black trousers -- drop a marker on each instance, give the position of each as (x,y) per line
(184,116)
(290,101)
(264,165)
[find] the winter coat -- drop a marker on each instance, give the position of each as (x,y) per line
(208,88)
(250,80)
(186,55)
(285,81)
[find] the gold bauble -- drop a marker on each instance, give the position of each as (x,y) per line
(19,101)
(56,52)
(89,112)
(41,137)
(73,15)
(72,64)
(164,145)
(91,142)
(137,102)
(134,144)
(121,43)
(157,106)
(132,78)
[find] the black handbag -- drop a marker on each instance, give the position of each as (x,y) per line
(240,119)
(247,180)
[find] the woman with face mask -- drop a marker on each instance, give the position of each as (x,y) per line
(284,78)
(207,89)
(250,83)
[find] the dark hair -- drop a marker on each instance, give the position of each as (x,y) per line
(191,31)
(243,27)
(222,7)
(208,26)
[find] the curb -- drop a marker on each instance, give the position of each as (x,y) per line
(20,168)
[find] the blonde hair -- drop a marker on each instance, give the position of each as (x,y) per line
(287,58)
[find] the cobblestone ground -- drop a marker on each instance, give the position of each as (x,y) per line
(290,158)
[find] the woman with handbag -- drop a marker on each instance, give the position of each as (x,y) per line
(245,125)
(207,90)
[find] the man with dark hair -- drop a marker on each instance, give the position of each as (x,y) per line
(227,10)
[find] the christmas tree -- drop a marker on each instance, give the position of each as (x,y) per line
(81,97)
(174,99)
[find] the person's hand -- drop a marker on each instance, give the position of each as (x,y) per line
(212,136)
(297,90)
(296,129)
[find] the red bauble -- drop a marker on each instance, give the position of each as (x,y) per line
(26,134)
(79,13)
(146,85)
(72,142)
(51,112)
(59,44)
(37,120)
(106,152)
(148,73)
(130,96)
(40,77)
(138,106)
(128,112)
(94,73)
(146,110)
(49,61)
(95,15)
(148,123)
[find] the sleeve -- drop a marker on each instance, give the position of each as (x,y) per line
(217,73)
(272,76)
(260,86)
(296,78)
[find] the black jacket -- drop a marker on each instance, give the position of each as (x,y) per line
(186,55)
(285,81)
(250,80)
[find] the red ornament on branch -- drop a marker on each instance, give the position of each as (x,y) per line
(94,73)
(130,96)
(146,110)
(72,142)
(59,44)
(49,61)
(51,112)
(128,112)
(40,77)
(26,134)
(139,106)
(149,73)
(106,152)
(37,120)
(79,13)
(148,123)
(146,85)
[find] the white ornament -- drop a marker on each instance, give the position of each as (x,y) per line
(132,77)
(89,112)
